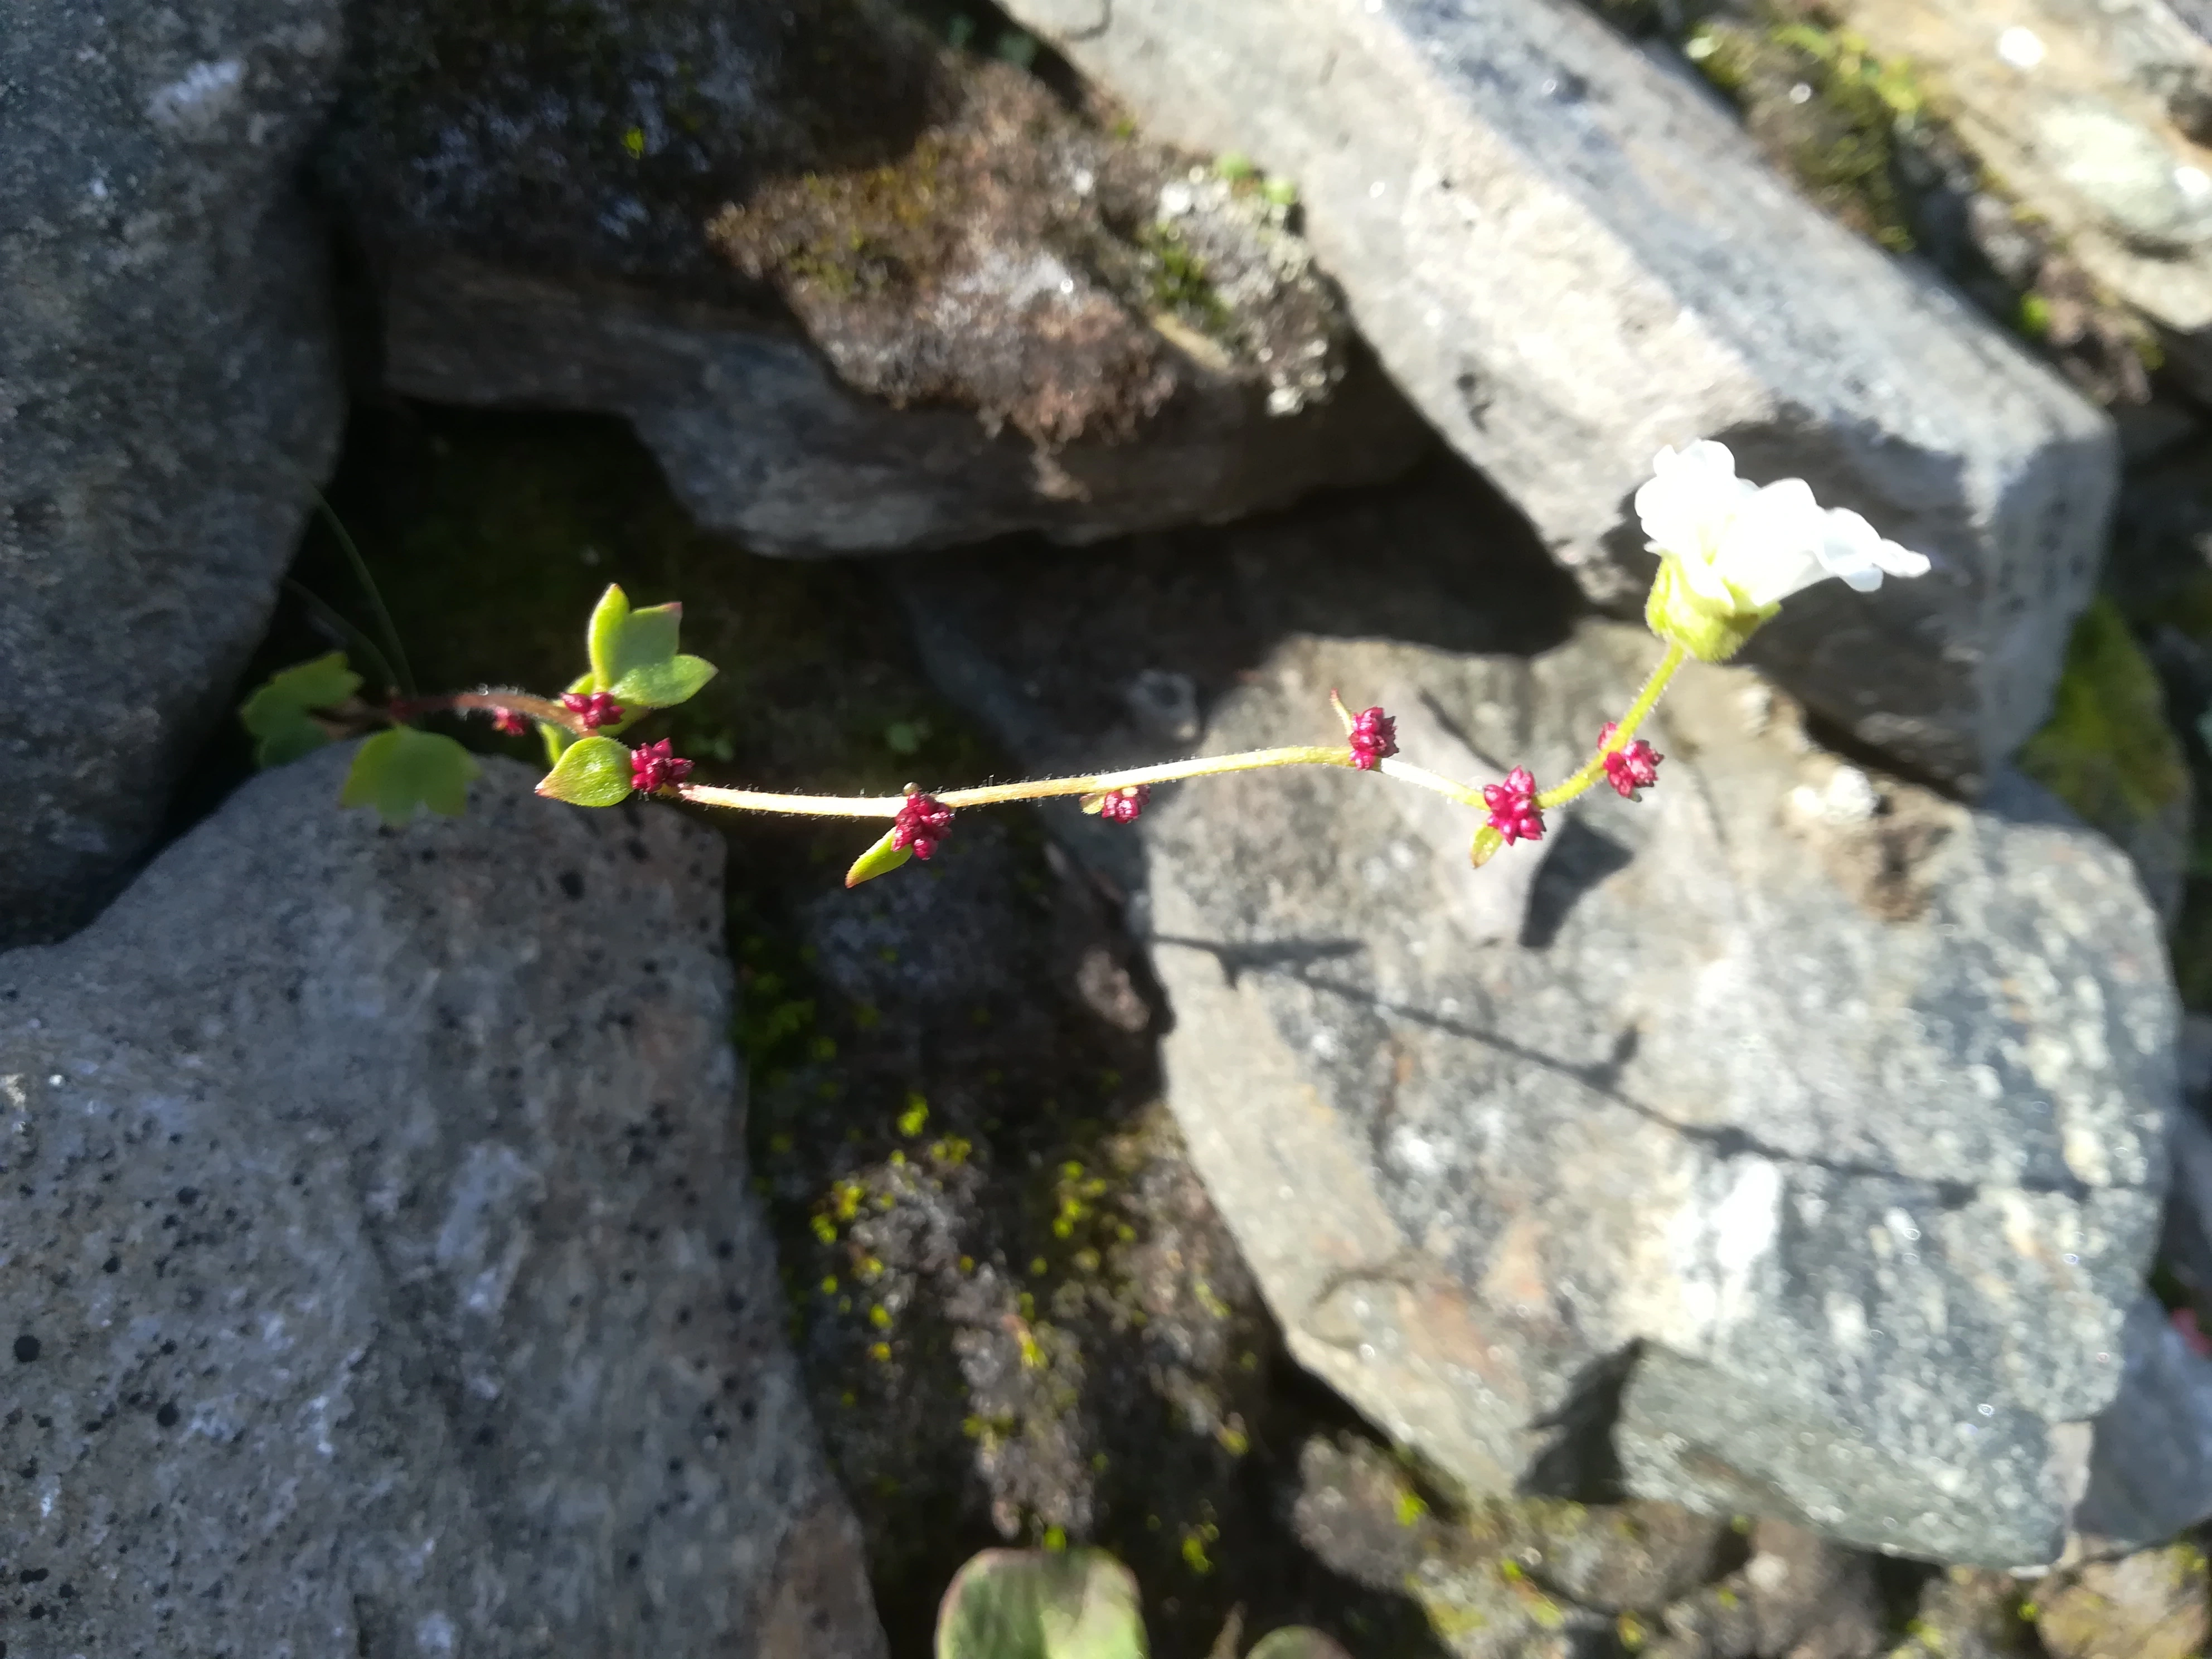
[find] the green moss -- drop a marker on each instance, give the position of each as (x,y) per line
(2106,749)
(1838,136)
(1179,280)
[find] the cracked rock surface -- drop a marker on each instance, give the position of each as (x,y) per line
(169,393)
(859,290)
(380,1273)
(1796,1137)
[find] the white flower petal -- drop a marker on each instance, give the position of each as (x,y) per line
(1772,548)
(1692,496)
(1900,561)
(1855,551)
(1847,549)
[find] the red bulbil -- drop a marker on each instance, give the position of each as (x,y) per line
(1373,739)
(506,722)
(1513,810)
(1632,768)
(654,766)
(1125,805)
(921,825)
(593,708)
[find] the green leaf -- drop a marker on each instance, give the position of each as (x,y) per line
(662,684)
(602,634)
(276,715)
(398,770)
(646,638)
(1297,1641)
(592,772)
(634,655)
(878,860)
(1041,1604)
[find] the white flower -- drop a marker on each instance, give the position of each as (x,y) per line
(1731,551)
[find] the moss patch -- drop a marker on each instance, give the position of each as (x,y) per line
(2106,749)
(1825,108)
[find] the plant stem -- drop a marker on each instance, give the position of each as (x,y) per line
(1089,783)
(368,585)
(544,709)
(1623,731)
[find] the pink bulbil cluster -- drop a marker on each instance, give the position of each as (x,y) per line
(1632,768)
(921,825)
(654,766)
(1513,810)
(507,723)
(593,708)
(1374,738)
(1125,805)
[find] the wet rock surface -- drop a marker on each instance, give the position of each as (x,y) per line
(1523,1185)
(168,395)
(1009,312)
(381,1272)
(1643,279)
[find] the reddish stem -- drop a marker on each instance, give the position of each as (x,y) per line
(544,709)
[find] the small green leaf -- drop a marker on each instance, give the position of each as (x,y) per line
(662,684)
(602,634)
(1038,1604)
(645,637)
(1297,1641)
(276,715)
(398,770)
(878,860)
(591,772)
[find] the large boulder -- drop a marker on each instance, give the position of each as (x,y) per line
(169,395)
(2096,121)
(1008,314)
(1792,1142)
(1568,256)
(382,1274)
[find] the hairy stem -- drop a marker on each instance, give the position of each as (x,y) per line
(1623,731)
(544,709)
(1088,783)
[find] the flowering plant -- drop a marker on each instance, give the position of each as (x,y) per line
(1730,553)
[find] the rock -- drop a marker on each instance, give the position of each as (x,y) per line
(1487,1585)
(1967,1613)
(2091,118)
(1008,317)
(1568,258)
(2150,1473)
(2150,1605)
(1802,1147)
(1808,1599)
(169,393)
(381,1271)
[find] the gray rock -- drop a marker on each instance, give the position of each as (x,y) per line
(1568,256)
(2095,124)
(2150,1474)
(2155,1604)
(1008,317)
(168,393)
(381,1273)
(1808,1132)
